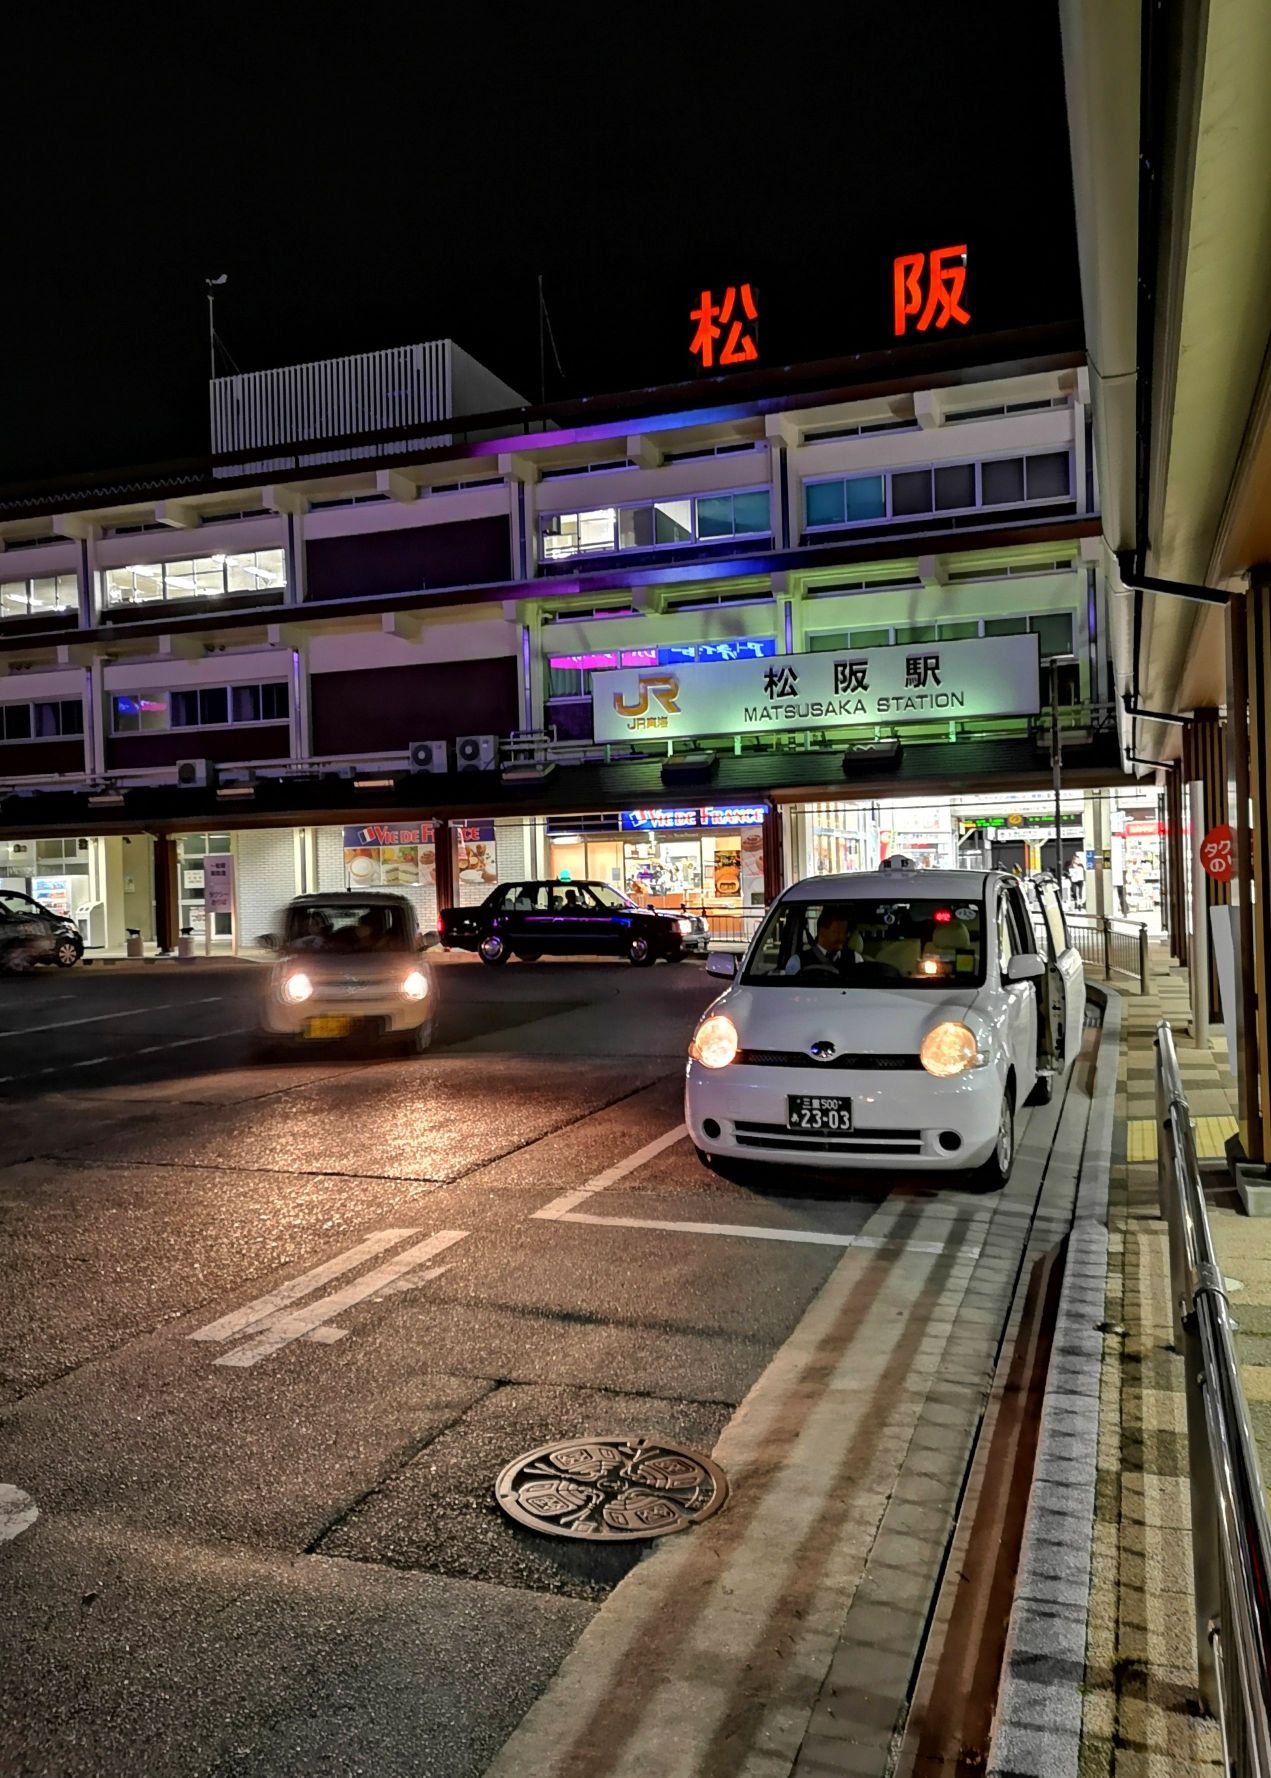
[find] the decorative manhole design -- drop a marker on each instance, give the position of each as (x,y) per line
(611,1489)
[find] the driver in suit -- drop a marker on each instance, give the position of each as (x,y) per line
(826,949)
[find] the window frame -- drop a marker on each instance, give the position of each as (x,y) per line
(28,583)
(621,507)
(198,692)
(192,564)
(890,516)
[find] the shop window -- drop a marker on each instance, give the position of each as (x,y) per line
(1002,481)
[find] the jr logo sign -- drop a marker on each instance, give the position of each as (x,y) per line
(662,688)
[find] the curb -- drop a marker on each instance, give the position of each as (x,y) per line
(1037,1723)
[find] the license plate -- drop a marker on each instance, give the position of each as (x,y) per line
(328,1027)
(815,1112)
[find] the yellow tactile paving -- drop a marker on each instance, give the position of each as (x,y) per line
(1211,1138)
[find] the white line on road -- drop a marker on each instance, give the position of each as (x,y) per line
(240,1320)
(100,1018)
(561,1207)
(283,1329)
(17,1512)
(812,1236)
(150,1049)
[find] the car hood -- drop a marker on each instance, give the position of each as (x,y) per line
(870,1021)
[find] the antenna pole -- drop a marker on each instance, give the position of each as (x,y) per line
(542,350)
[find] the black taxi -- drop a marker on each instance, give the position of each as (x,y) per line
(535,919)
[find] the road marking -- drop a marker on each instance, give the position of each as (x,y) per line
(150,1049)
(561,1207)
(811,1236)
(242,1320)
(17,1512)
(180,1043)
(100,1018)
(283,1329)
(411,1281)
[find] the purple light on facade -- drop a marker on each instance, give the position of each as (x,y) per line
(639,657)
(586,663)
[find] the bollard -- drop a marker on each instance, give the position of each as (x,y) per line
(185,945)
(134,946)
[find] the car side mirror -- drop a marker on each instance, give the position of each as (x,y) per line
(428,941)
(1026,967)
(721,963)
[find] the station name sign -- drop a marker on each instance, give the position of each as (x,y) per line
(843,688)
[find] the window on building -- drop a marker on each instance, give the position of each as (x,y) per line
(36,597)
(946,488)
(1054,628)
(15,722)
(569,675)
(202,577)
(707,518)
(204,706)
(61,716)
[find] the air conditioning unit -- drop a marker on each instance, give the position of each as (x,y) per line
(196,774)
(477,753)
(429,756)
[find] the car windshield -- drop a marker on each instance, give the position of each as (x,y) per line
(609,898)
(347,927)
(909,942)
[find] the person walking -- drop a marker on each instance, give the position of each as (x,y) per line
(1077,881)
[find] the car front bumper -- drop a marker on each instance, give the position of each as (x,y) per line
(900,1120)
(381,1016)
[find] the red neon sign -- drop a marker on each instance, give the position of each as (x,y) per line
(941,301)
(739,347)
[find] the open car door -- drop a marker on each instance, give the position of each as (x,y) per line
(1065,977)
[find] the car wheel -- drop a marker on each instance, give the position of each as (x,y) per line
(994,1173)
(640,952)
(529,956)
(493,951)
(67,953)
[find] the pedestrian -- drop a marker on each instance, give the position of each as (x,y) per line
(1077,880)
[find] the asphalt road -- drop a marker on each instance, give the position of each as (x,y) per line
(268,1544)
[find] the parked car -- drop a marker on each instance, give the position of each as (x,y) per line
(349,964)
(895,1019)
(533,919)
(63,941)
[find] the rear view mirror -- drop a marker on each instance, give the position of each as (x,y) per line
(721,963)
(1027,967)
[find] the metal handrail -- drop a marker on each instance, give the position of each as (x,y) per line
(1111,943)
(1231,1537)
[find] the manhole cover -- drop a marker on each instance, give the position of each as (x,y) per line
(611,1489)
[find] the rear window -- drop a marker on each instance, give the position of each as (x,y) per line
(347,928)
(897,942)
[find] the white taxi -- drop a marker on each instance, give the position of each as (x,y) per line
(891,1019)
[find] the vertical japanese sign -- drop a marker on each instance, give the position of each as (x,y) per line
(218,883)
(927,289)
(728,324)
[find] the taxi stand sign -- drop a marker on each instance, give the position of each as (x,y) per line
(844,688)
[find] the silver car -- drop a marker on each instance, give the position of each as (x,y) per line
(349,965)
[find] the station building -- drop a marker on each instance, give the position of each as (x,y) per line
(697,641)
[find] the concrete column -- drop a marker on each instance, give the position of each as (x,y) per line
(1205,760)
(1249,786)
(774,880)
(443,851)
(301,705)
(297,568)
(165,892)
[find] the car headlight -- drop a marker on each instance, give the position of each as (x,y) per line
(714,1042)
(297,986)
(685,926)
(415,987)
(950,1049)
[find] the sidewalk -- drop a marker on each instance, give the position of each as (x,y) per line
(1140,1717)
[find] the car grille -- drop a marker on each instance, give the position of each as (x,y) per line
(850,1059)
(777,1136)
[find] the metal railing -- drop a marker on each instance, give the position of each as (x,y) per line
(1231,1540)
(1115,946)
(731,928)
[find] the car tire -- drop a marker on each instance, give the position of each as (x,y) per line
(640,953)
(995,1173)
(529,956)
(68,953)
(493,950)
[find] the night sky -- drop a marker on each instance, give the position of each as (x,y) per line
(368,177)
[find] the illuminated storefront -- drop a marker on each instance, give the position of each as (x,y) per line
(706,858)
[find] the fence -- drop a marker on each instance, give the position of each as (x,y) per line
(1231,1541)
(732,928)
(1114,946)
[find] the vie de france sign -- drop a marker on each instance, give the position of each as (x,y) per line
(847,688)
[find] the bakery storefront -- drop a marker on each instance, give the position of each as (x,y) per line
(708,859)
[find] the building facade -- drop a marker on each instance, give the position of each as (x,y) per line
(694,649)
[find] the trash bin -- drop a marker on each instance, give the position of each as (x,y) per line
(185,944)
(134,946)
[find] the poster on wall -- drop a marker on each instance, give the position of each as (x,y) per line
(752,895)
(390,855)
(476,864)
